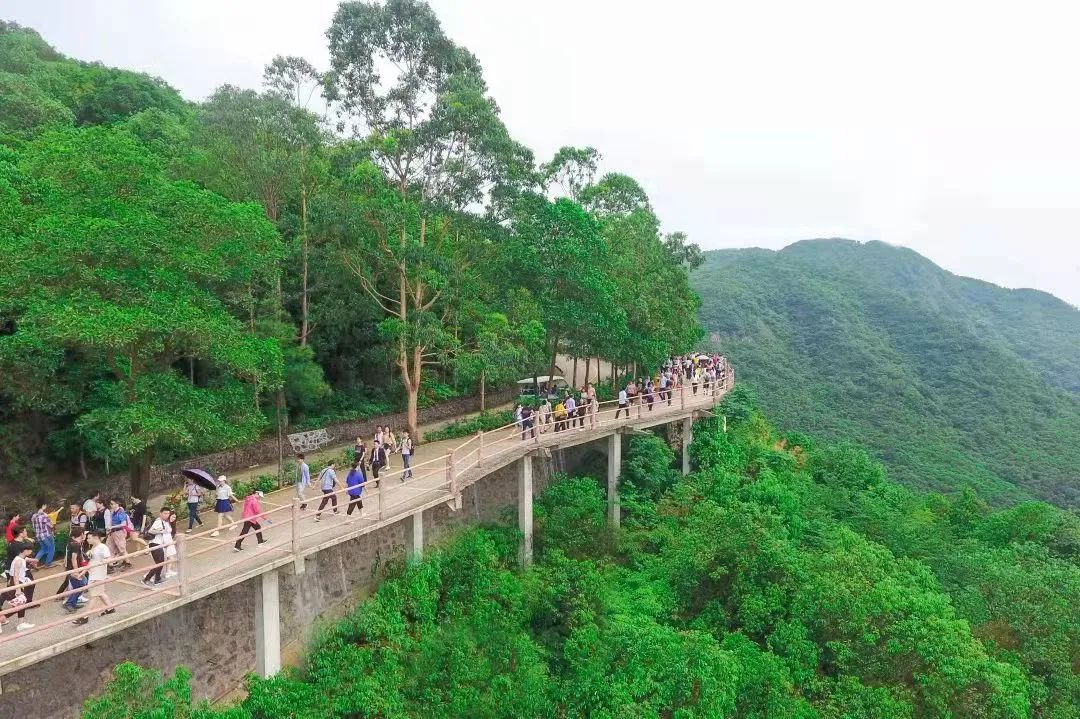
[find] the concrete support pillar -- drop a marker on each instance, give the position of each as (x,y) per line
(687,438)
(613,471)
(268,626)
(414,536)
(525,509)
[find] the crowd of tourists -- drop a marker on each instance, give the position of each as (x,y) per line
(98,537)
(102,531)
(569,409)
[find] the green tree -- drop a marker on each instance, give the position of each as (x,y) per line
(112,263)
(436,142)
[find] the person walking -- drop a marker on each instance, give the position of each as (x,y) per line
(378,461)
(77,518)
(20,578)
(518,410)
(527,422)
(559,414)
(328,484)
(406,457)
(170,546)
(12,528)
(194,494)
(160,537)
(390,440)
(224,505)
(75,561)
(303,481)
(650,393)
(44,535)
(97,571)
(594,409)
(253,516)
(117,536)
(545,415)
(624,404)
(355,482)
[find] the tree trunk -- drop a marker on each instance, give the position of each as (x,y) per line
(587,362)
(482,378)
(554,352)
(282,422)
(411,411)
(573,379)
(139,473)
(303,268)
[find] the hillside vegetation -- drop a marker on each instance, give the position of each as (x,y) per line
(183,278)
(784,579)
(952,382)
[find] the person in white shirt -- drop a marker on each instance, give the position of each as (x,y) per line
(545,415)
(571,407)
(19,571)
(98,571)
(160,537)
(223,507)
(624,404)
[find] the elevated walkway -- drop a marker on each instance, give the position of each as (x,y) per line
(208,566)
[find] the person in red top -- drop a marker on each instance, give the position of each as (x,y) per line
(12,527)
(251,513)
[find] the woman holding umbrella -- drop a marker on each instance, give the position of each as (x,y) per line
(198,483)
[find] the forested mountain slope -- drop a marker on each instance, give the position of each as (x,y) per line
(954,382)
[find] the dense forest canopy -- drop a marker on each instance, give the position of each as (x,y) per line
(784,578)
(953,382)
(184,277)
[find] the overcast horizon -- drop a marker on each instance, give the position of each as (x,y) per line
(945,130)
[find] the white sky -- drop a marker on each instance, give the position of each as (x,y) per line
(950,127)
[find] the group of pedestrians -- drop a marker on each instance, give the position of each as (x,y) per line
(98,536)
(576,408)
(366,464)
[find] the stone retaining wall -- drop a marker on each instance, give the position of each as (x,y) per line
(164,477)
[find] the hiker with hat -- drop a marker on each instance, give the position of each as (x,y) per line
(223,506)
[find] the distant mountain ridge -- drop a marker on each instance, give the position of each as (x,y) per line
(954,382)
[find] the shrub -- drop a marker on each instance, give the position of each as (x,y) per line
(483,422)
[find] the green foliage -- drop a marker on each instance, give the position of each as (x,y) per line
(952,382)
(483,422)
(759,588)
(113,263)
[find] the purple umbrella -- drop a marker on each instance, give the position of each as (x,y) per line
(200,477)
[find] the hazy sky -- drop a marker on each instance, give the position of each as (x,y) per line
(950,127)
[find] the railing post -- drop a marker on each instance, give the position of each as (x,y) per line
(181,564)
(451,475)
(682,396)
(639,401)
(480,451)
(298,559)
